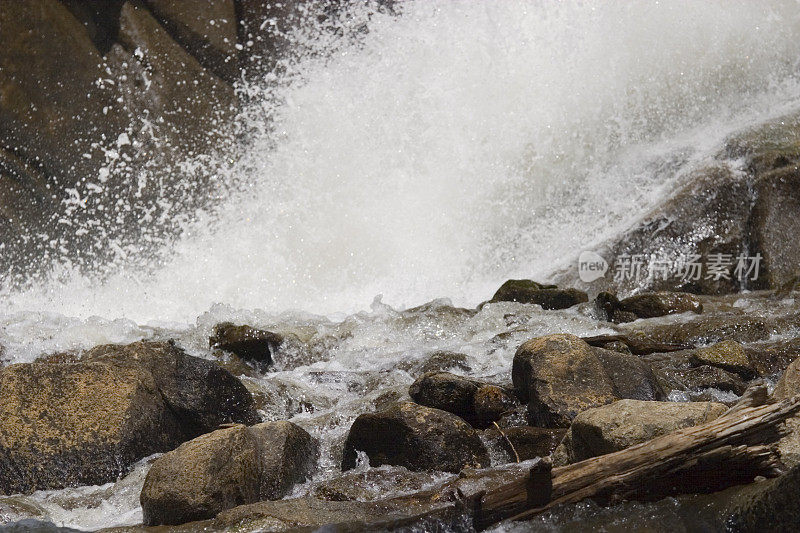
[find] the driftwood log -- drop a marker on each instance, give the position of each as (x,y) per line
(731,450)
(636,346)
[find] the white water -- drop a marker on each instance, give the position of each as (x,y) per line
(458,145)
(453,147)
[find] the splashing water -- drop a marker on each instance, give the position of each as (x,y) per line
(448,148)
(456,145)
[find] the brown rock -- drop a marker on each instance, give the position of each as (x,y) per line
(249,344)
(224,469)
(530,292)
(653,304)
(727,355)
(416,437)
(613,427)
(560,376)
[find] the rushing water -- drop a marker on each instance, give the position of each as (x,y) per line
(444,150)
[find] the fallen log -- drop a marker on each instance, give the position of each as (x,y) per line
(636,346)
(731,450)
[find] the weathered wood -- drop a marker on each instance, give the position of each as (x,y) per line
(636,346)
(731,450)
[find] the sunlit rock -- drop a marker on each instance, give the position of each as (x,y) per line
(226,468)
(616,426)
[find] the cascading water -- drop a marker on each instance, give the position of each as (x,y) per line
(450,147)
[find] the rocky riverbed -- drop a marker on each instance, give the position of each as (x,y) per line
(241,421)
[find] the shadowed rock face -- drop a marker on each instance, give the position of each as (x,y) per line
(85,422)
(416,437)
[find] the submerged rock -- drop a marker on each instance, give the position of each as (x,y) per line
(727,355)
(249,344)
(547,296)
(438,361)
(416,437)
(655,304)
(613,427)
(525,442)
(224,469)
(372,484)
(475,401)
(561,375)
(86,422)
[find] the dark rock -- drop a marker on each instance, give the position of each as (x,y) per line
(775,226)
(772,358)
(84,423)
(445,391)
(654,304)
(514,418)
(490,403)
(631,376)
(613,427)
(528,442)
(200,393)
(207,30)
(371,484)
(772,505)
(530,292)
(477,402)
(416,437)
(709,215)
(250,344)
(224,469)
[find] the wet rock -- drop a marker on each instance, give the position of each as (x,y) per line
(709,215)
(226,468)
(705,329)
(654,304)
(788,386)
(416,437)
(772,358)
(613,427)
(372,484)
(200,393)
(560,376)
(703,377)
(774,226)
(207,30)
(438,361)
(445,391)
(249,344)
(631,376)
(772,505)
(78,423)
(727,355)
(552,299)
(514,418)
(490,403)
(518,290)
(84,423)
(477,402)
(525,442)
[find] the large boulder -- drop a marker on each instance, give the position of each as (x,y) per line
(561,375)
(200,393)
(85,422)
(477,402)
(78,423)
(226,468)
(613,427)
(775,225)
(416,437)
